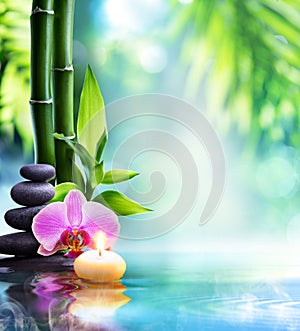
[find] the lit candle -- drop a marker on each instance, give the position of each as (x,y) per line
(100,265)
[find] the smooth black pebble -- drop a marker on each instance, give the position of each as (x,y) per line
(20,244)
(38,172)
(21,218)
(32,193)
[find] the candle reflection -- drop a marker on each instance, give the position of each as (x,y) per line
(70,303)
(97,302)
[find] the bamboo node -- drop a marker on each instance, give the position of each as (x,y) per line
(69,67)
(32,102)
(73,136)
(38,10)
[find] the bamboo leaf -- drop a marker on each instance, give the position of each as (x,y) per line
(118,175)
(99,172)
(120,203)
(86,159)
(91,125)
(77,177)
(100,145)
(96,176)
(62,190)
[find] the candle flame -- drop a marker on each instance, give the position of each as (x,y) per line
(101,240)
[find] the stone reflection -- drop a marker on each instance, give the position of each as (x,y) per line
(59,301)
(73,304)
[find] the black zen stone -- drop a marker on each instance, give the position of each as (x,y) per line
(21,218)
(19,244)
(38,172)
(32,193)
(37,263)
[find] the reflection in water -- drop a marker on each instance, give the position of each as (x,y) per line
(81,304)
(98,301)
(61,302)
(170,296)
(14,317)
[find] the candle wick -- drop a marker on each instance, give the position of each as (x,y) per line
(99,251)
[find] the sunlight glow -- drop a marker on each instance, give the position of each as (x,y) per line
(293,231)
(185,2)
(153,58)
(133,15)
(120,14)
(276,177)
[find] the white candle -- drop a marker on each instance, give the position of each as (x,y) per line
(100,265)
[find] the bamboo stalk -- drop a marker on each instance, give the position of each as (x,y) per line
(41,22)
(63,86)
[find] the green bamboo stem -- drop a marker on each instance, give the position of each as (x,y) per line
(41,22)
(63,86)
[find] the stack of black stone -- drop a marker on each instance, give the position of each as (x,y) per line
(33,194)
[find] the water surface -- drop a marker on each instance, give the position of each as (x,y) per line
(158,292)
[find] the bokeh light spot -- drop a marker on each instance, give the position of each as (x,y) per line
(153,58)
(276,177)
(185,2)
(120,14)
(134,15)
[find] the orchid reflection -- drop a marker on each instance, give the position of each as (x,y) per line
(74,304)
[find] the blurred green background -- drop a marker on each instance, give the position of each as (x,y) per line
(236,61)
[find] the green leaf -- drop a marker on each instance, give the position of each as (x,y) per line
(100,146)
(93,170)
(77,177)
(86,159)
(62,190)
(91,125)
(117,176)
(120,203)
(99,172)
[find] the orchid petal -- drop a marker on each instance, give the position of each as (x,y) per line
(75,239)
(64,237)
(86,239)
(74,201)
(59,246)
(49,224)
(96,218)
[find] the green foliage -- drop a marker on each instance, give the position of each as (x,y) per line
(243,58)
(14,72)
(78,177)
(120,204)
(62,190)
(239,58)
(118,176)
(91,133)
(88,163)
(91,125)
(99,172)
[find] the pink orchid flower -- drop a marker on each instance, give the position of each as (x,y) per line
(73,224)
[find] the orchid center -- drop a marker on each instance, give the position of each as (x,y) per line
(75,239)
